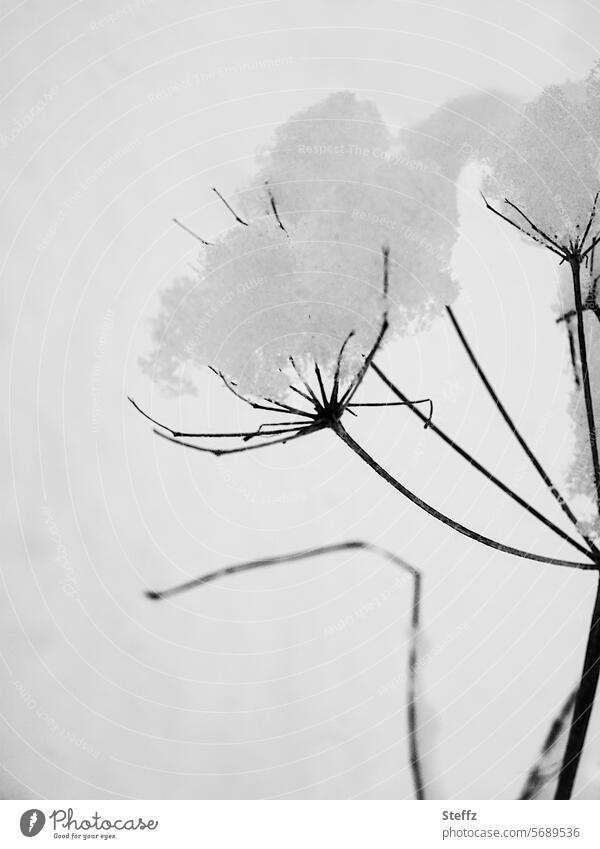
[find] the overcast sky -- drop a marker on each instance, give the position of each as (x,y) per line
(114,118)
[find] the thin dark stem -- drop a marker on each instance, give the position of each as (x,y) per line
(532,225)
(514,430)
(274,208)
(477,465)
(353,388)
(321,385)
(411,705)
(191,232)
(276,406)
(590,222)
(406,403)
(441,517)
(591,247)
(585,377)
(573,355)
(338,367)
(245,434)
(584,704)
(313,398)
(591,665)
(560,253)
(230,208)
(538,776)
(219,452)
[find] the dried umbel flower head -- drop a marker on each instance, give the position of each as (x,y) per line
(547,165)
(300,267)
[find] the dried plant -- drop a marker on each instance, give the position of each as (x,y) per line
(412,723)
(296,352)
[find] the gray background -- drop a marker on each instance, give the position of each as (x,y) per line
(252,688)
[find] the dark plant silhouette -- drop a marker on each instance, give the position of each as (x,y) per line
(321,408)
(413,658)
(578,251)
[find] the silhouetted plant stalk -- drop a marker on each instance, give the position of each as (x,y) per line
(415,624)
(577,253)
(543,771)
(319,408)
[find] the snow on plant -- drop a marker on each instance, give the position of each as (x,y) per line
(547,166)
(547,176)
(301,266)
(343,238)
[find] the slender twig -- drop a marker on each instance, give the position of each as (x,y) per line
(230,208)
(589,225)
(178,433)
(538,775)
(508,220)
(590,674)
(516,433)
(191,232)
(295,433)
(407,403)
(480,468)
(584,703)
(411,702)
(585,376)
(446,520)
(573,355)
(533,226)
(274,208)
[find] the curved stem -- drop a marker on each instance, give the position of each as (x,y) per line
(478,466)
(516,433)
(411,696)
(446,520)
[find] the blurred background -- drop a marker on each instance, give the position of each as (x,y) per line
(287,683)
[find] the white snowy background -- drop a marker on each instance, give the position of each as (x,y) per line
(290,682)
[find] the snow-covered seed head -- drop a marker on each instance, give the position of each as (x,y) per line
(332,188)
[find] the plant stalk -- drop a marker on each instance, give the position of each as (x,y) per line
(343,434)
(590,674)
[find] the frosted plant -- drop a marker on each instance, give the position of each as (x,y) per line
(341,240)
(546,169)
(300,267)
(467,129)
(547,174)
(376,233)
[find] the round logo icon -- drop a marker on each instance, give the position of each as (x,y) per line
(32,822)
